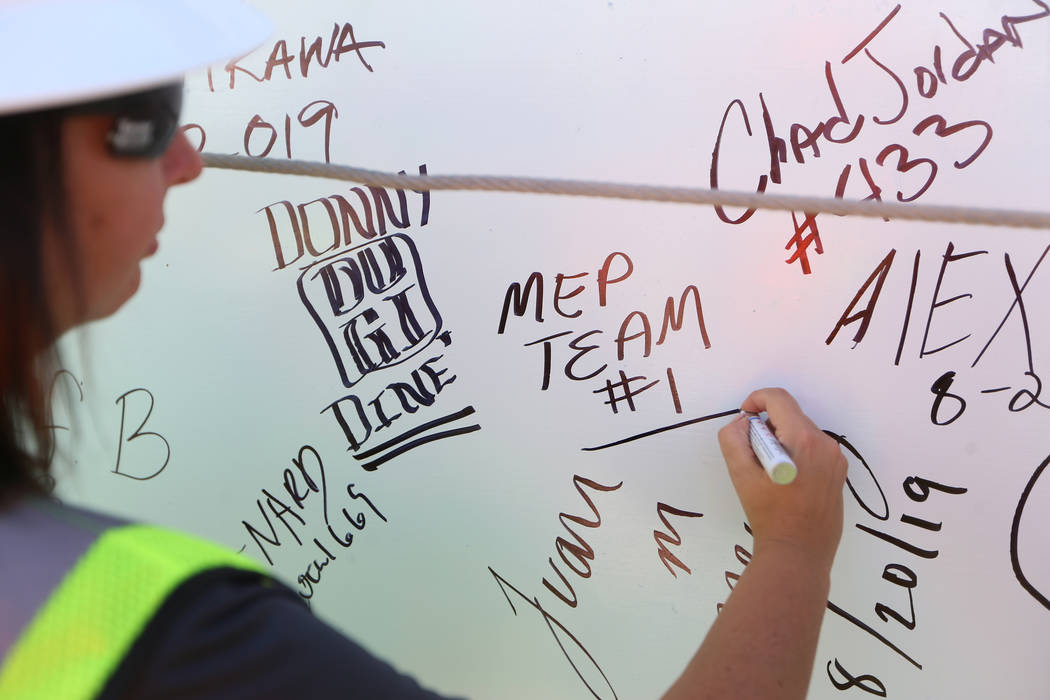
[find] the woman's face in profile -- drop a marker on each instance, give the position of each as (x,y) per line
(115,209)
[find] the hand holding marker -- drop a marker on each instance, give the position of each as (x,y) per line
(769,451)
(807,515)
(783,591)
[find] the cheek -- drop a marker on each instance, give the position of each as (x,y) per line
(112,238)
(115,210)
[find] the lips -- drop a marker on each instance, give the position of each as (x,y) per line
(154,243)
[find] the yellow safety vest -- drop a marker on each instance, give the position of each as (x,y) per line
(79,636)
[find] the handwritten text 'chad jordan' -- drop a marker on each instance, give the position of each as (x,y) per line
(909,121)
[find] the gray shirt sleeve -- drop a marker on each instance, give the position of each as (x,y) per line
(233,634)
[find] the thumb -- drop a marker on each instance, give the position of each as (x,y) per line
(736,449)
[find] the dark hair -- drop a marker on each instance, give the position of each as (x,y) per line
(32,201)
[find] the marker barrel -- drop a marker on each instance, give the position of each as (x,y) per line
(770,452)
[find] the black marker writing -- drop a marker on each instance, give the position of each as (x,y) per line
(323,225)
(1041,595)
(671,537)
(342,41)
(563,637)
(581,552)
(157,464)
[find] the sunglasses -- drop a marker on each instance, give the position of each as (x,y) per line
(145,122)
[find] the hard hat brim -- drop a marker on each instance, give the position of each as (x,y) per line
(62,52)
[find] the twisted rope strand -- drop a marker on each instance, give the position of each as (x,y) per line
(687,195)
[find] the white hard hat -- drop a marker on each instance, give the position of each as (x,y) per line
(60,52)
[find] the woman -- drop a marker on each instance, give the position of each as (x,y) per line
(94,607)
(91,606)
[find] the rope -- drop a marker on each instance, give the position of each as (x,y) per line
(687,195)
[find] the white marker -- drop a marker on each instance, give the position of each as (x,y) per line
(770,452)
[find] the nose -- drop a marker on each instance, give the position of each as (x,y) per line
(182,162)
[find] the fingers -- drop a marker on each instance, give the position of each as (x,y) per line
(785,415)
(736,450)
(772,400)
(733,440)
(805,515)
